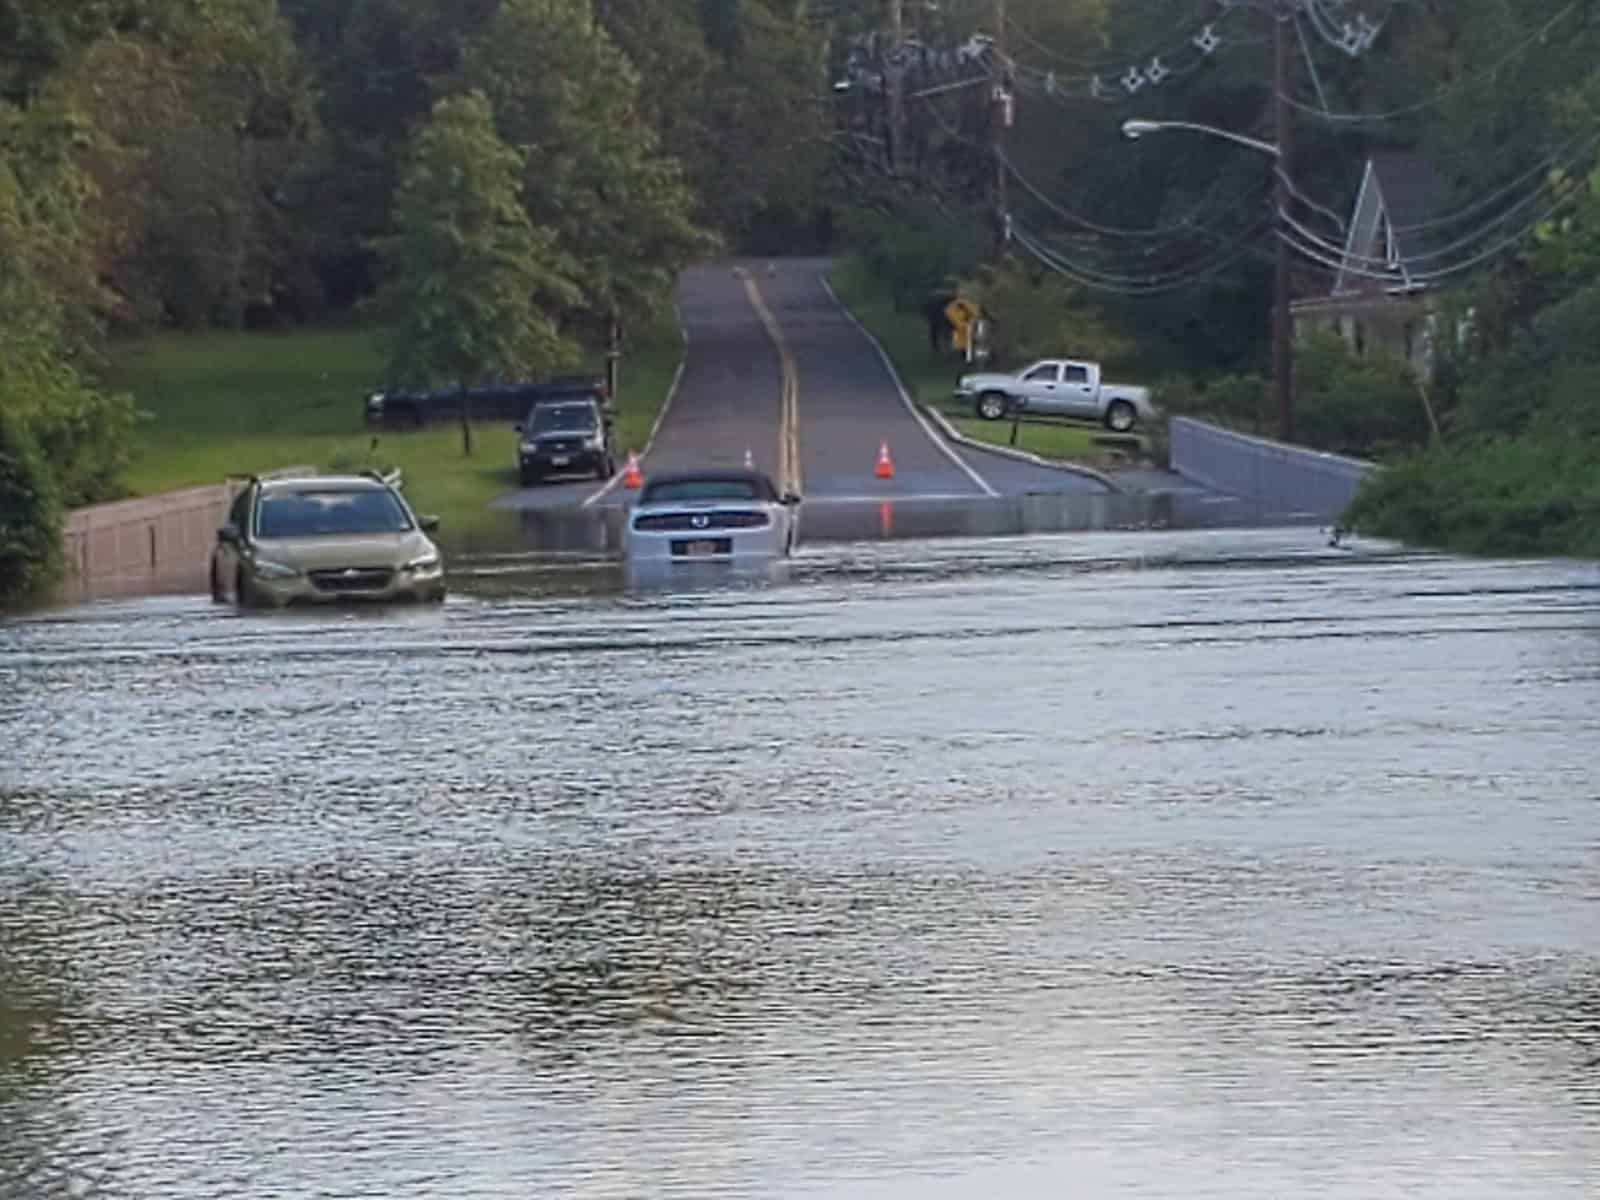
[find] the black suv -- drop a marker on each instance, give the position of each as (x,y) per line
(489,402)
(565,436)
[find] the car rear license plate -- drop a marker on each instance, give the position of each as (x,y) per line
(559,460)
(702,547)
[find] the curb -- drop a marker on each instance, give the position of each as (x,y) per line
(951,432)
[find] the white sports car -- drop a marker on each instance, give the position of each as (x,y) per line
(715,515)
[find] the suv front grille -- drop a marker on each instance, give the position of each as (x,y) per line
(736,519)
(352,579)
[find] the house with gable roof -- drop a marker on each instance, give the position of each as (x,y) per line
(1387,236)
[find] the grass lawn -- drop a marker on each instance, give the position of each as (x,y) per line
(931,378)
(233,403)
(1047,439)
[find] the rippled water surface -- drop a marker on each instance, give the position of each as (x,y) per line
(1182,865)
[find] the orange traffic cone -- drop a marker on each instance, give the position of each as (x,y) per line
(885,468)
(630,474)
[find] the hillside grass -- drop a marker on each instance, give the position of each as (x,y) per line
(226,403)
(930,378)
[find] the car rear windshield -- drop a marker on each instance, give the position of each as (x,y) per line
(672,490)
(321,513)
(547,417)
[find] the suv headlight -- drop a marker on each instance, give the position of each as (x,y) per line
(266,568)
(424,564)
(593,442)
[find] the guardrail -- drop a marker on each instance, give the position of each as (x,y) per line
(139,547)
(149,545)
(1284,481)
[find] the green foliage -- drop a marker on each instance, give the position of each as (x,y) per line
(1036,313)
(1496,495)
(84,435)
(30,514)
(196,136)
(918,249)
(593,175)
(474,285)
(1362,405)
(1519,484)
(1237,401)
(1506,391)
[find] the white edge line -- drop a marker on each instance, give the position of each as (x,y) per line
(672,392)
(905,397)
(955,435)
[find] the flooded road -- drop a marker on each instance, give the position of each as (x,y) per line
(1174,864)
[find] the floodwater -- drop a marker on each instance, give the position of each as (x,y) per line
(1175,864)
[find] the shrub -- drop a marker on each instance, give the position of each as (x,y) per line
(1367,405)
(1232,400)
(30,514)
(1035,313)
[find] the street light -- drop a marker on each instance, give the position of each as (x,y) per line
(1282,337)
(1133,130)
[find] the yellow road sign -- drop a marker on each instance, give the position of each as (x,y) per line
(961,313)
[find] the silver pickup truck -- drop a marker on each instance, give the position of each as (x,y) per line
(1062,387)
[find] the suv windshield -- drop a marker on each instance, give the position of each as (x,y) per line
(672,490)
(314,514)
(548,418)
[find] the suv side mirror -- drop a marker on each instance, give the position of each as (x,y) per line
(790,498)
(517,428)
(229,534)
(428,524)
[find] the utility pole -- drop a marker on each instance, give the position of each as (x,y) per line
(999,119)
(1282,320)
(894,80)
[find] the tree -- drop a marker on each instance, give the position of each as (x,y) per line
(30,514)
(593,171)
(196,132)
(473,282)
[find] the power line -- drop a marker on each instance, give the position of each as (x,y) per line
(1485,202)
(1187,224)
(1459,243)
(1052,261)
(1439,94)
(1111,59)
(1444,272)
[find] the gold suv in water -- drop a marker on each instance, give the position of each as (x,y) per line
(325,538)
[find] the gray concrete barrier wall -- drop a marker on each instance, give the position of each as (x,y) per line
(1284,482)
(139,547)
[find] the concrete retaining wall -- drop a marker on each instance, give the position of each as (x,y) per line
(1284,482)
(145,546)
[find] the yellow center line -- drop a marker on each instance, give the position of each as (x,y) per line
(789,402)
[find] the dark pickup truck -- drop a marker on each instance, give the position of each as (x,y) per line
(488,402)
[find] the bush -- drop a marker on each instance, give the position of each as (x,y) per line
(1035,313)
(1233,400)
(30,515)
(1512,388)
(1536,494)
(918,250)
(1367,405)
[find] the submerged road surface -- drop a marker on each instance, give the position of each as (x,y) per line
(1201,866)
(777,372)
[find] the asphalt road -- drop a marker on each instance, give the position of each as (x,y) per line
(750,325)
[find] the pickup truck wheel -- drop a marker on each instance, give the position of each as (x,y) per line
(1121,416)
(992,406)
